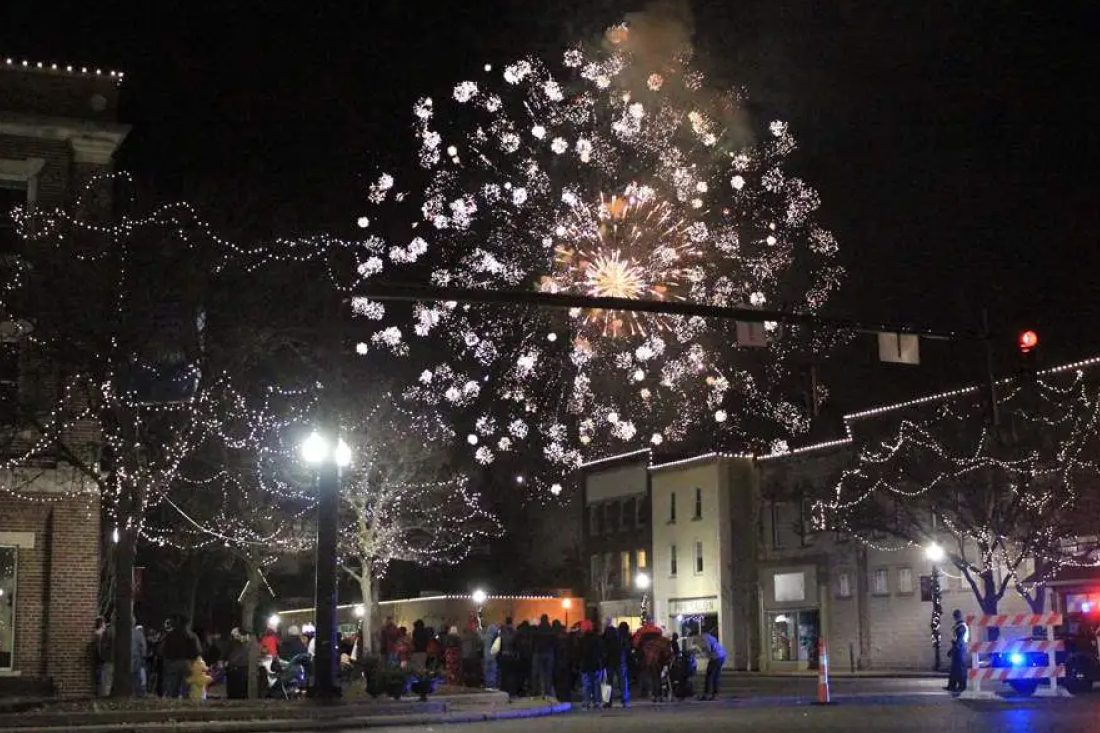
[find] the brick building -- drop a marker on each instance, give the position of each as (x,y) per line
(58,130)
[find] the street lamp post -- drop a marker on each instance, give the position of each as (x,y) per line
(479,597)
(641,582)
(566,604)
(327,460)
(934,552)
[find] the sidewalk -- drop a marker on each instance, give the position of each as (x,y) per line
(248,716)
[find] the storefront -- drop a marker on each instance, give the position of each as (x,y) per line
(791,618)
(688,616)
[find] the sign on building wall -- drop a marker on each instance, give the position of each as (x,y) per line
(692,606)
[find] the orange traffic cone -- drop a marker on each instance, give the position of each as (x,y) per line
(823,697)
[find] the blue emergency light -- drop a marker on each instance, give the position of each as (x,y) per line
(1016,659)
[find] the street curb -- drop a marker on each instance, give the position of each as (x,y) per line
(812,674)
(294,724)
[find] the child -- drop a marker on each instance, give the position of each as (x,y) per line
(197,680)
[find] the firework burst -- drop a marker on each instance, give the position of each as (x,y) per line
(609,174)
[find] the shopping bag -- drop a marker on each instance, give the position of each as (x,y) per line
(605,692)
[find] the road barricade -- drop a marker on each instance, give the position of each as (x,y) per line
(1051,672)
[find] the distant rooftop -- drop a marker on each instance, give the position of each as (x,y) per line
(15,64)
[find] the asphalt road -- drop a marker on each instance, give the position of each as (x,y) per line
(769,704)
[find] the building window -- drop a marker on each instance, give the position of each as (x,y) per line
(609,570)
(611,517)
(595,569)
(672,507)
(698,503)
(698,557)
(643,511)
(672,561)
(905,580)
(789,587)
(8,557)
(880,582)
(777,536)
(629,510)
(643,561)
(843,585)
(9,382)
(594,520)
(624,567)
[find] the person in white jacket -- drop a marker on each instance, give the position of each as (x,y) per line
(710,648)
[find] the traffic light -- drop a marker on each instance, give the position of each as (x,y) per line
(1027,341)
(1027,344)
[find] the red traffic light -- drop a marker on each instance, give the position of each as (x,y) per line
(1028,341)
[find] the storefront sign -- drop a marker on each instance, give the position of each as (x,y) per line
(688,606)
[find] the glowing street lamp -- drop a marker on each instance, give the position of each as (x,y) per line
(479,597)
(934,552)
(327,458)
(566,604)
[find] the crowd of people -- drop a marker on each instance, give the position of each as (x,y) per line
(585,663)
(540,658)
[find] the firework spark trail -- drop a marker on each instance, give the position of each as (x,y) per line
(611,173)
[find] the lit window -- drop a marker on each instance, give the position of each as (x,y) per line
(624,567)
(672,560)
(698,557)
(643,561)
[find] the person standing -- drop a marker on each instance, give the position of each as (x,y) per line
(616,648)
(960,634)
(237,668)
(179,648)
(542,659)
(490,649)
(138,650)
(716,658)
(101,654)
(591,664)
(506,660)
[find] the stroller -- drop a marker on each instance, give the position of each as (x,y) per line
(680,675)
(290,677)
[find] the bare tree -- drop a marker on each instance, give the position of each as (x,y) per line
(1012,503)
(403,502)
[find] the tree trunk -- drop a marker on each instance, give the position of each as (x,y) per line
(123,622)
(368,591)
(194,575)
(250,599)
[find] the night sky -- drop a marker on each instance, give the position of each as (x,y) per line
(953,142)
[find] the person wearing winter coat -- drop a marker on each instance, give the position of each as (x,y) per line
(542,659)
(452,657)
(179,648)
(507,659)
(716,657)
(616,649)
(489,652)
(591,665)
